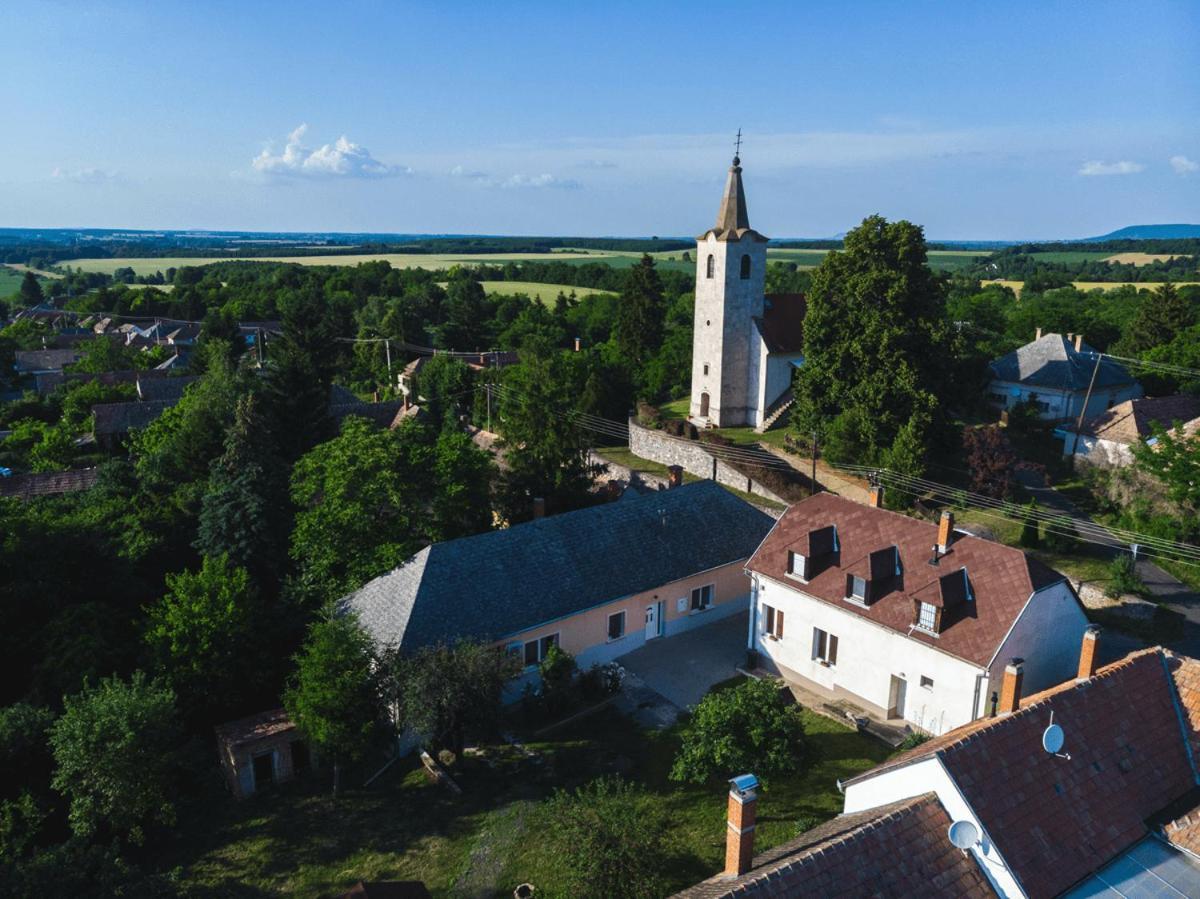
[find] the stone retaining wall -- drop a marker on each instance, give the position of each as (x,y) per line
(692,458)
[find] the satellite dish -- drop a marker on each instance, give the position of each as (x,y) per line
(963,835)
(1052,739)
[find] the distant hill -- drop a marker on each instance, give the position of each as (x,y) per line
(1149,232)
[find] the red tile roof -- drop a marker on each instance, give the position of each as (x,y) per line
(1057,820)
(782,324)
(1129,422)
(253,728)
(896,850)
(48,483)
(1001,578)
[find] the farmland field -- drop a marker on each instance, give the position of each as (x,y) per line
(10,281)
(1140,258)
(1094,285)
(544,293)
(1069,256)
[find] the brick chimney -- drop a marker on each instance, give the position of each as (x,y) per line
(875,497)
(1088,652)
(739,836)
(674,476)
(945,531)
(578,344)
(1010,691)
(539,507)
(1038,334)
(1079,343)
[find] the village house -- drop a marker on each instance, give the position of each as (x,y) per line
(1054,373)
(598,582)
(1087,789)
(1107,439)
(906,621)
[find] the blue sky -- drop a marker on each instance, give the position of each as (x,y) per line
(976,120)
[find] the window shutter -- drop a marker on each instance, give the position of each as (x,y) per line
(833,641)
(779,624)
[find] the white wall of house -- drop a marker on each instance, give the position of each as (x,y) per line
(1048,635)
(869,656)
(1095,450)
(930,776)
(1060,403)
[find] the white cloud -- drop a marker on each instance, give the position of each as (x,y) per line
(1124,167)
(86,175)
(341,159)
(459,172)
(1184,166)
(539,181)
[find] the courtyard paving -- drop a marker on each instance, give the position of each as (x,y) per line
(683,668)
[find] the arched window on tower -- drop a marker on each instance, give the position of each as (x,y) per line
(746,267)
(710,266)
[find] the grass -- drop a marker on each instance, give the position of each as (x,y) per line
(1070,256)
(543,293)
(299,842)
(10,281)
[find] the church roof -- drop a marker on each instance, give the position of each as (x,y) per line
(782,323)
(733,221)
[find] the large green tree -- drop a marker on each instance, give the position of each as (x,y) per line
(640,316)
(447,693)
(333,696)
(201,635)
(30,292)
(750,727)
(1161,317)
(115,756)
(877,349)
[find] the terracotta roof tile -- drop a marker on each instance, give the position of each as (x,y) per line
(1001,578)
(1056,820)
(897,850)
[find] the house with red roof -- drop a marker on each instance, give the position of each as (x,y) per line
(909,621)
(1088,789)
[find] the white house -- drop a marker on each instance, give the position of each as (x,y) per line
(745,345)
(1087,789)
(1107,440)
(1055,373)
(910,621)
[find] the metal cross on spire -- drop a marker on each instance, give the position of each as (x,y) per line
(737,147)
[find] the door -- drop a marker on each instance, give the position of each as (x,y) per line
(896,697)
(264,770)
(300,760)
(652,621)
(704,405)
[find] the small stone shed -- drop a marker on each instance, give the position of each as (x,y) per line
(260,751)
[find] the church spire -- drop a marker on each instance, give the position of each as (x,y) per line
(732,217)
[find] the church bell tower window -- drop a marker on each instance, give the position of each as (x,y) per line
(746,267)
(710,266)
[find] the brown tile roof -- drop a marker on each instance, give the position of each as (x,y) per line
(1056,820)
(782,323)
(1129,422)
(897,850)
(48,483)
(1001,578)
(121,418)
(254,727)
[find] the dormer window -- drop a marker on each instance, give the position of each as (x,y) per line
(797,566)
(927,617)
(858,588)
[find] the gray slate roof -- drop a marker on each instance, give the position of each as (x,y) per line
(168,390)
(502,582)
(45,360)
(121,418)
(1053,362)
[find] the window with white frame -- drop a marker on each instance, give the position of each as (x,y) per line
(796,565)
(536,650)
(825,647)
(702,598)
(927,619)
(772,622)
(926,682)
(616,626)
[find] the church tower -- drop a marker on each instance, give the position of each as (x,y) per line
(731,261)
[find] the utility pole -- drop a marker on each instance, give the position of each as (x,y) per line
(812,489)
(387,346)
(489,405)
(259,349)
(1086,399)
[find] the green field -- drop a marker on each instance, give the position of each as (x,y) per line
(545,293)
(1070,256)
(10,281)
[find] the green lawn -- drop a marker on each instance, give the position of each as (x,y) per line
(543,293)
(10,281)
(297,841)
